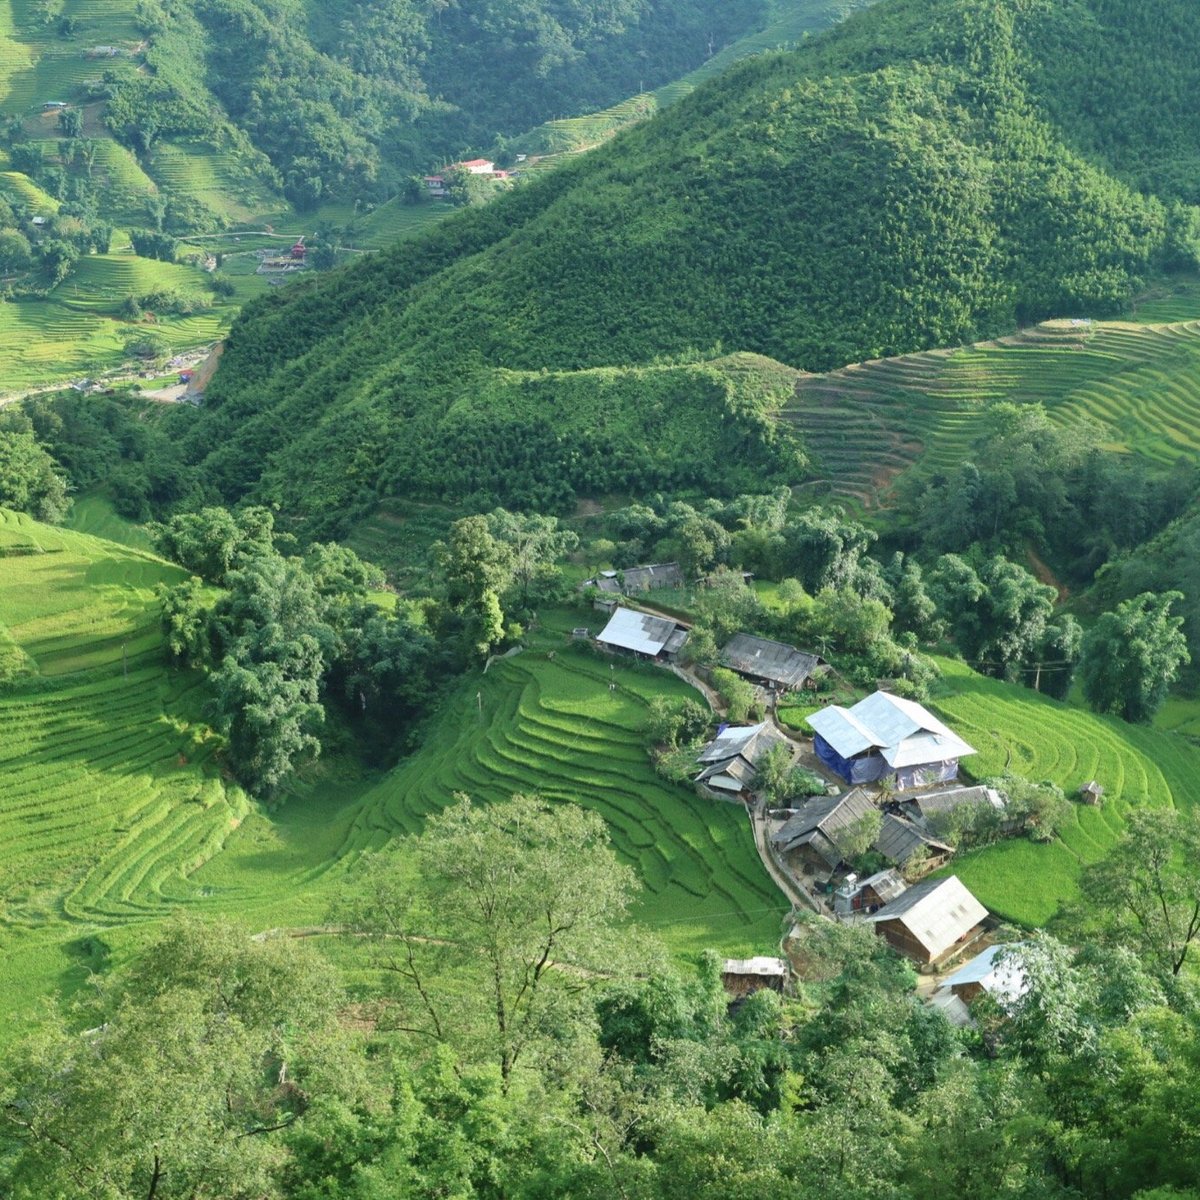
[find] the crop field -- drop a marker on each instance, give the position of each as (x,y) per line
(395,220)
(555,727)
(868,423)
(116,809)
(1031,735)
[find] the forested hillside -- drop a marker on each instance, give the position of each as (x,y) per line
(923,175)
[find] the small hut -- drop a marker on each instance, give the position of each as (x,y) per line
(1092,793)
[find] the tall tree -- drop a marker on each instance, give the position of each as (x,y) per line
(495,924)
(193,1065)
(1132,656)
(1147,891)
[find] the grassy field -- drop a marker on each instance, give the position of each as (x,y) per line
(116,809)
(1016,729)
(1139,381)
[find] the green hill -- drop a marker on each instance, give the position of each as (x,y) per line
(914,178)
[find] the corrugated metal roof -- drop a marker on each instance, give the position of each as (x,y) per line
(631,630)
(946,801)
(887,885)
(766,659)
(1004,979)
(936,912)
(826,816)
(746,740)
(904,733)
(899,839)
(638,579)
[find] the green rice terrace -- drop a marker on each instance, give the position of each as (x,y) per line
(116,809)
(1139,381)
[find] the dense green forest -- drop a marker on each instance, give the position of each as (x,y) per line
(347,99)
(922,175)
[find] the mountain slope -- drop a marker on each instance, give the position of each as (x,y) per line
(914,178)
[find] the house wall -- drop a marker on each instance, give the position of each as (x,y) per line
(925,774)
(967,992)
(864,768)
(898,937)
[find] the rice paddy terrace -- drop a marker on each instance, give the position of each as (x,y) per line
(115,809)
(867,424)
(1018,729)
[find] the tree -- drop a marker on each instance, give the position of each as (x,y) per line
(30,480)
(16,254)
(70,122)
(210,541)
(738,695)
(1133,655)
(493,923)
(823,549)
(193,1066)
(1147,889)
(185,612)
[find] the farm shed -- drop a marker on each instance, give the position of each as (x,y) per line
(640,633)
(867,895)
(997,972)
(899,840)
(741,976)
(887,736)
(931,804)
(637,579)
(773,664)
(730,761)
(810,837)
(930,920)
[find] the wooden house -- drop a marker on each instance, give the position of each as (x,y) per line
(926,805)
(730,762)
(632,580)
(900,839)
(774,665)
(931,920)
(997,972)
(743,976)
(867,895)
(809,839)
(887,737)
(640,633)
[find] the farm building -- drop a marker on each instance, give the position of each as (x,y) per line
(996,972)
(931,920)
(772,664)
(867,895)
(730,761)
(932,804)
(435,185)
(637,579)
(810,838)
(640,633)
(900,839)
(741,976)
(887,736)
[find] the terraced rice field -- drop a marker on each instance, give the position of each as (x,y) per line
(1040,738)
(395,220)
(115,809)
(869,423)
(221,180)
(554,727)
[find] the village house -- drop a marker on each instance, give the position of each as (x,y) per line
(743,976)
(773,665)
(867,895)
(887,737)
(640,633)
(435,185)
(926,805)
(900,839)
(931,920)
(731,760)
(997,972)
(809,840)
(637,579)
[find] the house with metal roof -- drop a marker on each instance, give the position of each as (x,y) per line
(773,664)
(810,839)
(729,763)
(921,807)
(900,839)
(641,633)
(886,736)
(632,580)
(997,972)
(868,895)
(931,920)
(741,976)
